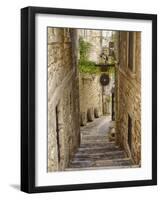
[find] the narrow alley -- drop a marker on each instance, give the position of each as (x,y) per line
(94,99)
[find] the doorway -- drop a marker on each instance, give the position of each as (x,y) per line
(129,131)
(57,133)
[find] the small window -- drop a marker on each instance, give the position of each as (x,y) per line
(123,49)
(131,51)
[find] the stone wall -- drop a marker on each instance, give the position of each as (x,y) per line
(98,39)
(94,38)
(128,96)
(93,97)
(90,91)
(63,97)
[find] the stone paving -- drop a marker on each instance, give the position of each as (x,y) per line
(96,151)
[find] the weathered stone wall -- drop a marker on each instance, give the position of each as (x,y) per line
(128,97)
(93,96)
(63,97)
(94,37)
(90,91)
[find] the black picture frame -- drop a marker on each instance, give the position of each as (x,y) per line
(28,98)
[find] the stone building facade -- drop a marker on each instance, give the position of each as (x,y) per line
(128,94)
(94,98)
(98,39)
(63,98)
(90,91)
(93,37)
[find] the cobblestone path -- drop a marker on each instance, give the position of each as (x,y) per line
(96,151)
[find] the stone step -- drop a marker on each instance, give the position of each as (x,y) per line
(94,137)
(100,167)
(114,162)
(96,150)
(101,163)
(99,155)
(95,145)
(96,141)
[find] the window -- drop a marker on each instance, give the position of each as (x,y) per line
(123,49)
(131,51)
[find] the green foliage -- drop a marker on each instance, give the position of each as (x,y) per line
(86,66)
(84,48)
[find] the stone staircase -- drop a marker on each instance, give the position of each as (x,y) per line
(97,153)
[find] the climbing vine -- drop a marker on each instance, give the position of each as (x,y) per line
(84,49)
(85,65)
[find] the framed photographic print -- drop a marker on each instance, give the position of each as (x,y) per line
(88,99)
